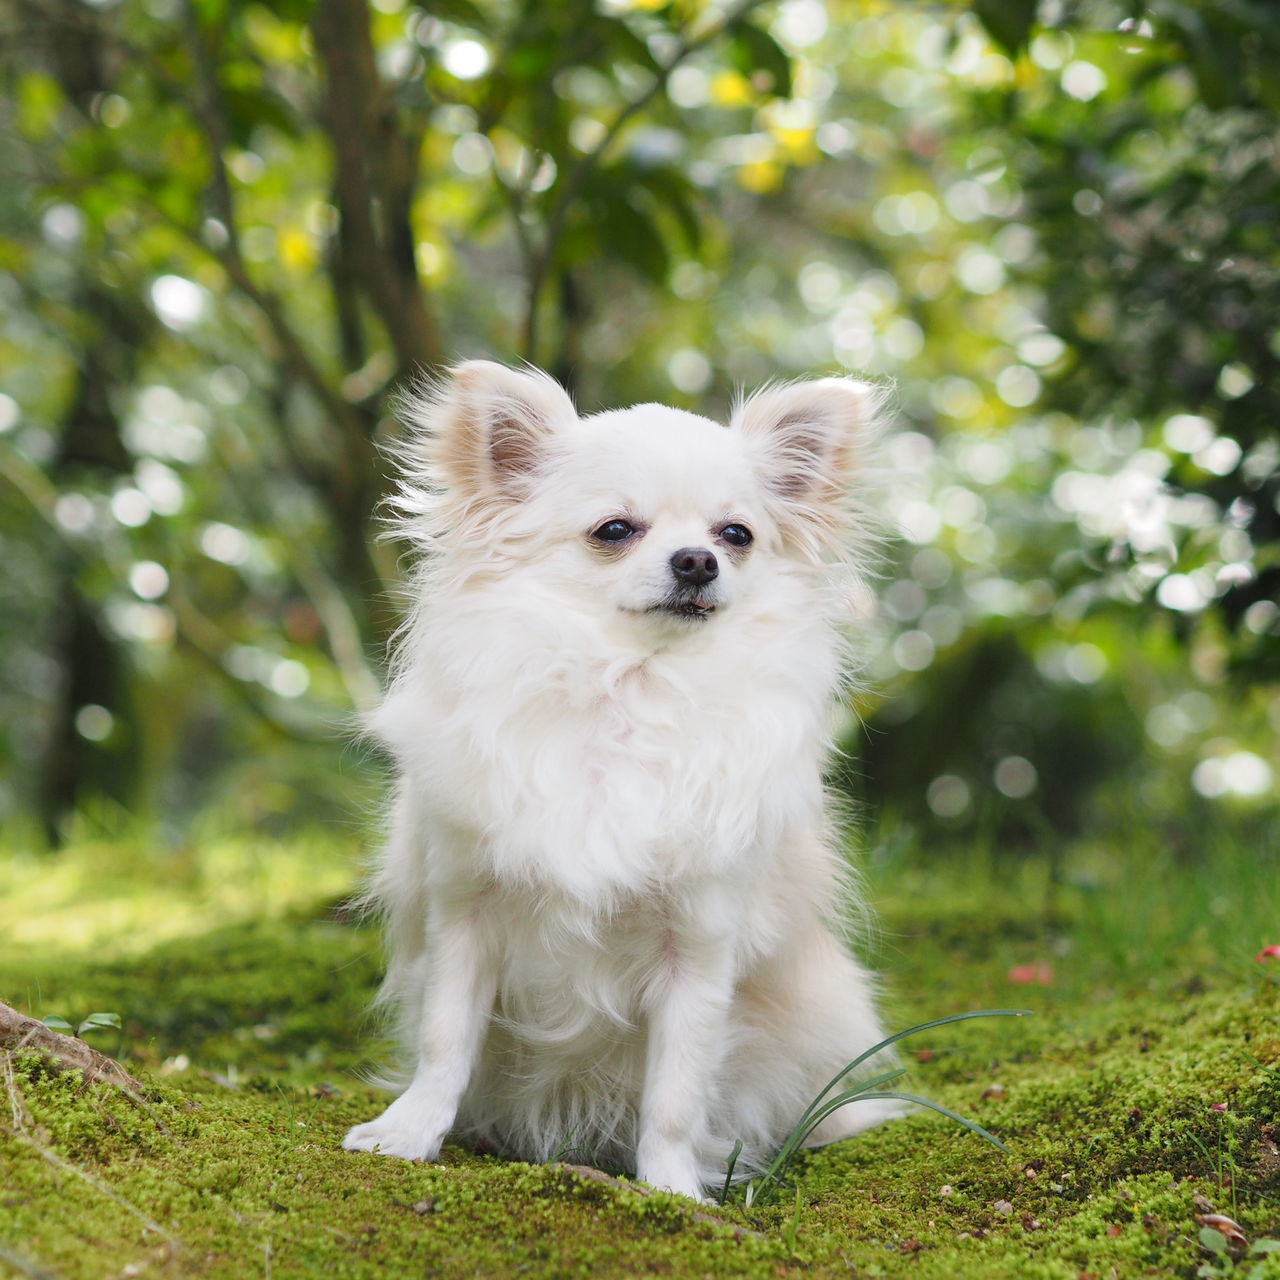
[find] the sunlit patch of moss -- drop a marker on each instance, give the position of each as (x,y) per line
(263,995)
(130,895)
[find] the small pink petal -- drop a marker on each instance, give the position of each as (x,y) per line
(1268,953)
(1219,1106)
(1040,972)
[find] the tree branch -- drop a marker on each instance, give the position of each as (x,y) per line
(211,113)
(572,185)
(376,172)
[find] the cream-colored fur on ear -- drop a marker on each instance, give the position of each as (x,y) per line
(812,440)
(478,436)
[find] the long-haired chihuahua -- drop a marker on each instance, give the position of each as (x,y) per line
(612,884)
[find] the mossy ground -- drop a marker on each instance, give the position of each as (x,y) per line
(1150,1076)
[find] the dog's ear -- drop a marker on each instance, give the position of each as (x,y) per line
(811,440)
(479,436)
(488,426)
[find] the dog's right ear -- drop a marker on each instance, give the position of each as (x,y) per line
(487,428)
(480,435)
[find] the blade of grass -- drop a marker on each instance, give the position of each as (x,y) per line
(972,1125)
(729,1168)
(822,1106)
(929,1026)
(902,1035)
(811,1118)
(844,1099)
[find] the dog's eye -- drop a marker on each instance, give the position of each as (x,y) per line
(737,535)
(614,531)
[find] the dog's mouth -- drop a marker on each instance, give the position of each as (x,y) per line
(691,606)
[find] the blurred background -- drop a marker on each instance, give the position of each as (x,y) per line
(230,229)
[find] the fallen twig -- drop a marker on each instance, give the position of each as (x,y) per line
(66,1053)
(588,1173)
(24,1266)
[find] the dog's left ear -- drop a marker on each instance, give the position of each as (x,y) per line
(812,439)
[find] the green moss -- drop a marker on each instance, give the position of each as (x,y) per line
(251,1033)
(234,1177)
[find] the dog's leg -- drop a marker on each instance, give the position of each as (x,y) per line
(687,1028)
(457,993)
(809,1009)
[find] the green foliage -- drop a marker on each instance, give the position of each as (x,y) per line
(234,228)
(1228,1262)
(89,1023)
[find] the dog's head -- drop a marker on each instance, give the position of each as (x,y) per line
(648,513)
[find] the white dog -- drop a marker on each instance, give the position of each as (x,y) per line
(611,885)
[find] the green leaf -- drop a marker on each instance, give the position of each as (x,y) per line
(1213,1240)
(676,194)
(532,62)
(99,1020)
(624,43)
(633,239)
(822,1106)
(39,100)
(248,108)
(1259,1247)
(819,1110)
(1216,57)
(815,1114)
(299,11)
(56,1023)
(911,1031)
(211,12)
(463,12)
(753,49)
(1008,22)
(729,1167)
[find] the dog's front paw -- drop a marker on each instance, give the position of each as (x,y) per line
(403,1129)
(672,1171)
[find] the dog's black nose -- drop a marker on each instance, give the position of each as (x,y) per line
(694,566)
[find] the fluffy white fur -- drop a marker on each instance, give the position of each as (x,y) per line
(611,890)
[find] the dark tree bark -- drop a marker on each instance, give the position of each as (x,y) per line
(375,149)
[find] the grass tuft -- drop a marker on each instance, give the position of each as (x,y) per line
(766,1188)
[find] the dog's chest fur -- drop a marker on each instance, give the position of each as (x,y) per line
(611,777)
